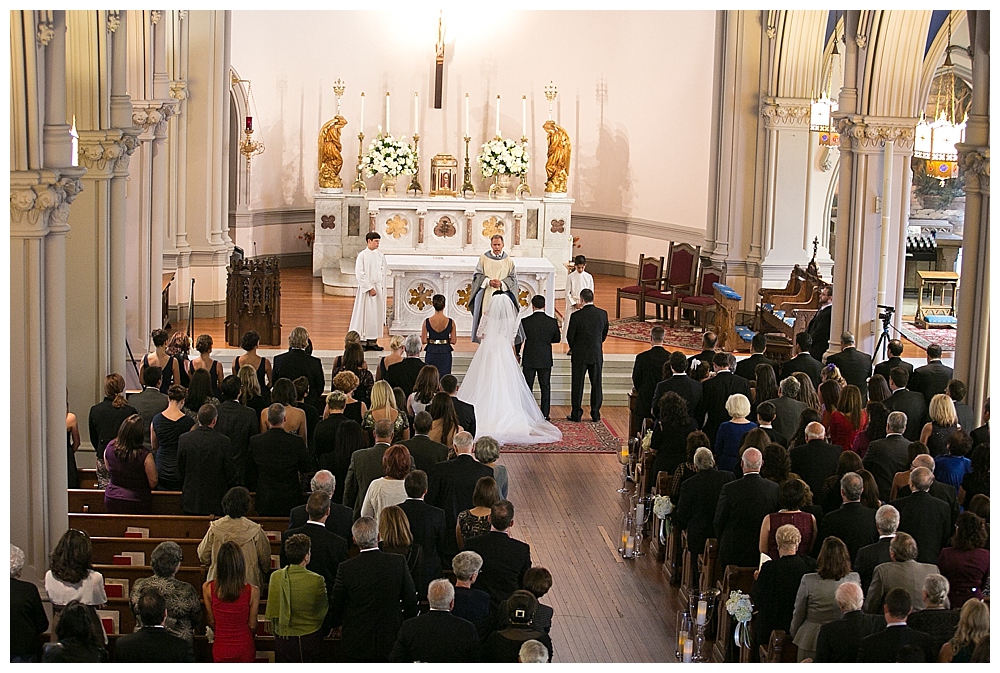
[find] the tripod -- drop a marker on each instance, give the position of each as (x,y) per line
(885,337)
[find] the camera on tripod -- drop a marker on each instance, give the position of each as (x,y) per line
(886,314)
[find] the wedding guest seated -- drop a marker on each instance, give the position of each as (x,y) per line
(839,640)
(471,604)
(885,646)
(247,534)
(791,499)
(533,652)
(28,620)
(77,640)
(903,572)
(966,563)
(504,646)
(935,620)
(777,583)
(815,604)
(183,604)
(152,643)
(973,628)
(437,636)
(729,435)
(297,605)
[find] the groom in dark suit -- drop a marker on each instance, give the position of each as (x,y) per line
(540,332)
(588,328)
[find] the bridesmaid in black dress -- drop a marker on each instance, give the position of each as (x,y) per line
(439,335)
(178,348)
(204,361)
(261,364)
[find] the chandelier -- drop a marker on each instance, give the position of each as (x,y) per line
(821,110)
(935,140)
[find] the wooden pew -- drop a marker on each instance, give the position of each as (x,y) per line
(105,548)
(724,649)
(91,500)
(331,648)
(779,649)
(87,477)
(193,575)
(160,526)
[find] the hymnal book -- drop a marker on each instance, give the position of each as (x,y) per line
(273,535)
(116,588)
(130,558)
(109,620)
(764,558)
(135,531)
(275,561)
(264,657)
(263,626)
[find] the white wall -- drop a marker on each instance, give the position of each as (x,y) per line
(641,151)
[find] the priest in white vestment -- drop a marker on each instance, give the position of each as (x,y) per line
(494,273)
(368,316)
(576,281)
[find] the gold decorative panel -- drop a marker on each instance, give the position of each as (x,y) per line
(493,225)
(420,296)
(396,226)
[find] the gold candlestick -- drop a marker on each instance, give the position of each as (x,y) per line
(415,182)
(523,187)
(467,185)
(359,184)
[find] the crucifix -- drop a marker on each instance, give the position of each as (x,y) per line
(439,63)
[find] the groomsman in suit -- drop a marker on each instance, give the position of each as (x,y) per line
(647,373)
(588,328)
(819,326)
(895,360)
(854,366)
(297,362)
(933,377)
(540,332)
(747,368)
(803,360)
(709,340)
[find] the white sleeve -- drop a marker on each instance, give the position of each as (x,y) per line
(361,273)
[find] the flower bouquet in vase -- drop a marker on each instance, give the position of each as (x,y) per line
(502,160)
(391,157)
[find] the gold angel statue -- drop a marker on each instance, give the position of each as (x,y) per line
(557,164)
(330,158)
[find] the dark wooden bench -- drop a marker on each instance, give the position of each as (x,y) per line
(193,575)
(779,649)
(87,477)
(725,649)
(91,500)
(160,526)
(105,548)
(331,648)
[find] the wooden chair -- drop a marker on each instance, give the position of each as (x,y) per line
(679,279)
(704,298)
(648,278)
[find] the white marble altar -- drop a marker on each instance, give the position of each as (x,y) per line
(533,228)
(411,281)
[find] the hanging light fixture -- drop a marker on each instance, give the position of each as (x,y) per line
(821,117)
(935,141)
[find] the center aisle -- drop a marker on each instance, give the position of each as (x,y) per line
(606,609)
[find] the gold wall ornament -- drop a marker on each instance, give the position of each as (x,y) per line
(492,226)
(330,158)
(522,296)
(557,163)
(445,227)
(396,226)
(464,296)
(420,296)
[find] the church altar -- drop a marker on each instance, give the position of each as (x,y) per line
(535,229)
(411,281)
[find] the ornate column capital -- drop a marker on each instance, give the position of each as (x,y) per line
(975,163)
(40,200)
(868,134)
(114,19)
(153,115)
(178,89)
(107,151)
(785,112)
(45,31)
(155,16)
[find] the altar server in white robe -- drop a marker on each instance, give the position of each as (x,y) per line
(368,316)
(576,280)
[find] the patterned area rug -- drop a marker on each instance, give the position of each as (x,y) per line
(682,336)
(943,336)
(585,437)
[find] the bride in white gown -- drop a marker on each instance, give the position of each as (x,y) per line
(494,385)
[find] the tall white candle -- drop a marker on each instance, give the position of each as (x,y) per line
(388,130)
(498,115)
(361,122)
(416,114)
(466,114)
(702,613)
(524,116)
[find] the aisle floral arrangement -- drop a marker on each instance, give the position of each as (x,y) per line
(741,608)
(389,156)
(503,157)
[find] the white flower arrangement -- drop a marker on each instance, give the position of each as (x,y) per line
(389,156)
(647,440)
(503,157)
(739,606)
(662,506)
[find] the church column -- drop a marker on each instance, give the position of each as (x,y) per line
(972,347)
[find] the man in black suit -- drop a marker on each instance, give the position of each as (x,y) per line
(981,435)
(452,483)
(924,517)
(838,641)
(931,379)
(423,450)
(588,328)
(819,326)
(884,646)
(205,464)
(149,401)
(803,360)
(427,525)
(327,550)
(340,518)
(886,457)
(854,366)
(237,422)
(895,360)
(871,556)
(957,390)
(944,492)
(366,467)
(647,373)
(505,560)
(540,332)
(817,459)
(715,392)
(466,412)
(404,373)
(766,415)
(698,500)
(853,523)
(910,403)
(296,362)
(277,458)
(709,340)
(437,637)
(747,367)
(787,408)
(743,504)
(372,595)
(152,644)
(678,382)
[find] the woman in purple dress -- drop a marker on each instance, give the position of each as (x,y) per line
(133,471)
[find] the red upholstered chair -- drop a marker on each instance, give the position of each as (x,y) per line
(701,302)
(679,280)
(648,279)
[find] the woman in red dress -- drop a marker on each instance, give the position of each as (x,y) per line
(232,607)
(848,418)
